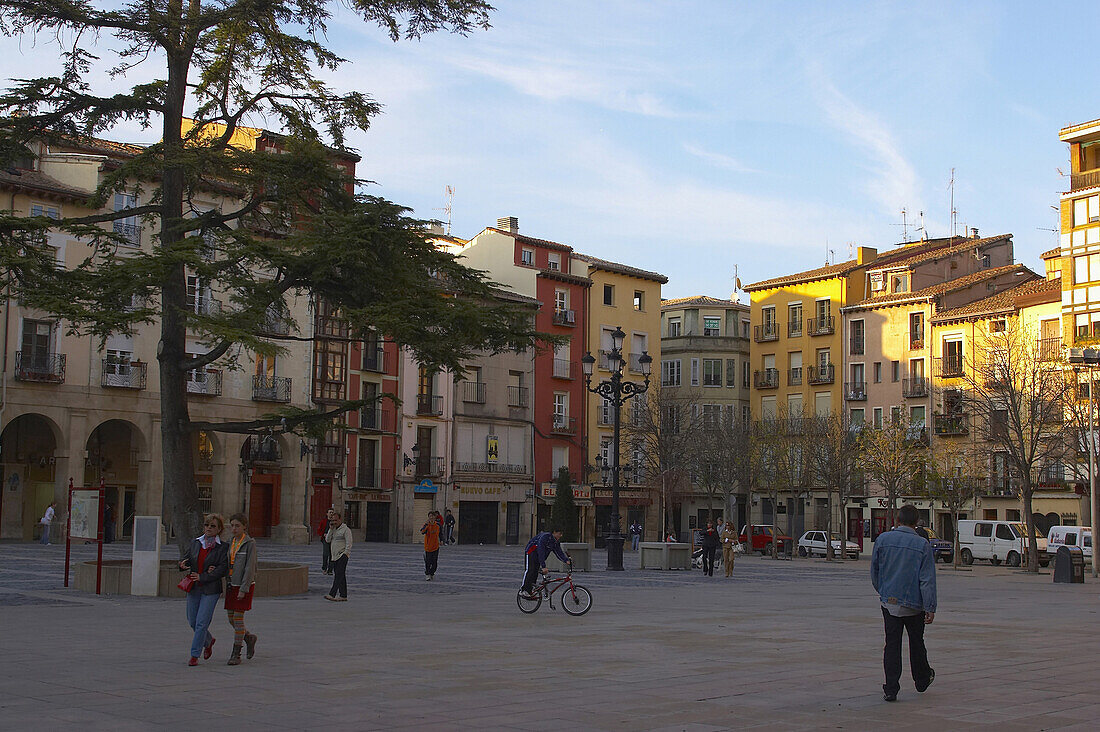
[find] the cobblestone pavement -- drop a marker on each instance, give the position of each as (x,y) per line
(782,645)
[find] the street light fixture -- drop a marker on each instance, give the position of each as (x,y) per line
(616,391)
(1090,357)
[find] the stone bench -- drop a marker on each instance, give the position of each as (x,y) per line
(273,579)
(581,554)
(664,555)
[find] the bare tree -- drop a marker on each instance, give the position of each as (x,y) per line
(833,457)
(781,454)
(1018,397)
(719,457)
(892,456)
(957,469)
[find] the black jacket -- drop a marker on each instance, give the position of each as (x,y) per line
(710,538)
(214,568)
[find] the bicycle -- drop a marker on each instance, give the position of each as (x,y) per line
(577,600)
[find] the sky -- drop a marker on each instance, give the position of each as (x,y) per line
(700,139)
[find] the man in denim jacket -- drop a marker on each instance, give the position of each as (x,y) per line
(903,570)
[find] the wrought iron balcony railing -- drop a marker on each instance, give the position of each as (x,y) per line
(914,388)
(855,391)
(822,326)
(517,396)
(766,379)
(822,374)
(563,425)
(123,374)
(39,366)
(270,388)
(204,382)
(765,332)
(951,425)
(473,392)
(429,404)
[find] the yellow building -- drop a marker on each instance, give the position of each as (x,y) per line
(1080,235)
(628,298)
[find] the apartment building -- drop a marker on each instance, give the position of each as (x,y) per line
(628,298)
(78,409)
(1080,235)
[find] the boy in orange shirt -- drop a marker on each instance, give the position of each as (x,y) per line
(430,530)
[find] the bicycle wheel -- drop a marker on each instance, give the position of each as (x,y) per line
(528,604)
(577,601)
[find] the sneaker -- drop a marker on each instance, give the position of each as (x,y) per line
(428,577)
(340,599)
(193,662)
(209,650)
(889,697)
(931,677)
(330,597)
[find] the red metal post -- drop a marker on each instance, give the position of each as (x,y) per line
(68,531)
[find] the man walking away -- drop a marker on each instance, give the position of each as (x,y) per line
(339,536)
(729,539)
(47,522)
(430,530)
(635,535)
(449,526)
(710,549)
(903,570)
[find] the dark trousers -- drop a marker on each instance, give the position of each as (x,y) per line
(326,555)
(531,573)
(340,577)
(891,655)
(709,553)
(431,562)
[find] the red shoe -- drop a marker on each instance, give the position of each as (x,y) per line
(209,650)
(193,662)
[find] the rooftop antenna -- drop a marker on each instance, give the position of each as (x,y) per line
(827,250)
(851,249)
(736,283)
(904,228)
(954,213)
(448,201)
(923,233)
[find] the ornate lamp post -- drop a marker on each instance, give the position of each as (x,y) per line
(616,391)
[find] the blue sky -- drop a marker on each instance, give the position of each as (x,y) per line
(690,137)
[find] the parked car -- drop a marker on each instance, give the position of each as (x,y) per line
(998,541)
(942,550)
(762,537)
(1079,536)
(813,542)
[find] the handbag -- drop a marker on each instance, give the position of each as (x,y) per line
(186,584)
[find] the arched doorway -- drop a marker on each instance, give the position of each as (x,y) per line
(28,448)
(262,456)
(112,456)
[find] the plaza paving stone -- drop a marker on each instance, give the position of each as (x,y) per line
(783,645)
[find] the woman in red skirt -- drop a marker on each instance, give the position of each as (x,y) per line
(242,578)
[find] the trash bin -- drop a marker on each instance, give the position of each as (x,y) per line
(1069,565)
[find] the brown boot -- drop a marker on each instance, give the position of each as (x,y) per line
(235,657)
(250,644)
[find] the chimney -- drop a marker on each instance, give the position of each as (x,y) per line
(865,255)
(974,233)
(509,224)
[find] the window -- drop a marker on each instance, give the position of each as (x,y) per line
(695,372)
(997,326)
(527,256)
(745,381)
(987,261)
(674,325)
(425,383)
(1086,210)
(712,415)
(916,330)
(128,227)
(712,325)
(824,312)
(712,372)
(639,300)
(670,372)
(731,372)
(42,209)
(899,283)
(895,415)
(561,406)
(746,414)
(876,417)
(608,294)
(794,319)
(856,417)
(1003,532)
(983,530)
(561,300)
(824,361)
(351,513)
(560,458)
(745,325)
(767,407)
(895,371)
(856,338)
(916,416)
(767,315)
(553,261)
(952,357)
(878,372)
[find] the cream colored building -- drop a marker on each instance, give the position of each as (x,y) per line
(77,409)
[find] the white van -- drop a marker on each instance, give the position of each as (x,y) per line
(997,541)
(1080,536)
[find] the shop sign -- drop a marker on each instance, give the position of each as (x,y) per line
(492,445)
(479,490)
(549,490)
(425,486)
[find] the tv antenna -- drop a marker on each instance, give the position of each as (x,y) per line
(954,213)
(923,233)
(448,201)
(904,228)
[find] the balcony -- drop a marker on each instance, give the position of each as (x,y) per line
(40,367)
(855,391)
(951,425)
(517,396)
(857,345)
(204,306)
(914,388)
(330,455)
(491,468)
(473,392)
(822,374)
(374,359)
(822,326)
(949,367)
(367,478)
(429,404)
(372,418)
(1050,349)
(766,379)
(428,466)
(259,449)
(128,231)
(916,342)
(1086,179)
(563,368)
(565,317)
(1052,475)
(123,375)
(204,382)
(766,332)
(274,324)
(794,376)
(270,388)
(563,425)
(794,329)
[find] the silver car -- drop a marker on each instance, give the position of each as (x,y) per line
(813,542)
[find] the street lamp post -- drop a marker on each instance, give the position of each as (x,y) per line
(616,391)
(1090,357)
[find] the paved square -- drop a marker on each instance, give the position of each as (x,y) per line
(782,645)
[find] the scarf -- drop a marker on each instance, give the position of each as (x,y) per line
(234,546)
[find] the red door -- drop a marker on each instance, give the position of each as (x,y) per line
(855,526)
(880,522)
(263,504)
(320,503)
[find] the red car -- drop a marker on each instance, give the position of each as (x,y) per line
(763,536)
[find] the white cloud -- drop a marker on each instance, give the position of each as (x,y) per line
(718,160)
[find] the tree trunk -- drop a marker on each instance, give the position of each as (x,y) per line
(955,521)
(1032,544)
(180,494)
(829,526)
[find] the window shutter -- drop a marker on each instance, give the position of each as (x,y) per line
(695,372)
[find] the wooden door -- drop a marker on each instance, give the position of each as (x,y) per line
(263,504)
(320,503)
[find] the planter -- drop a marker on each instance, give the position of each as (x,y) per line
(581,554)
(273,579)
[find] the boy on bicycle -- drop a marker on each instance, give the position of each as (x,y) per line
(538,549)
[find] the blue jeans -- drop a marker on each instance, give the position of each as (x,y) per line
(634,541)
(200,611)
(45,539)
